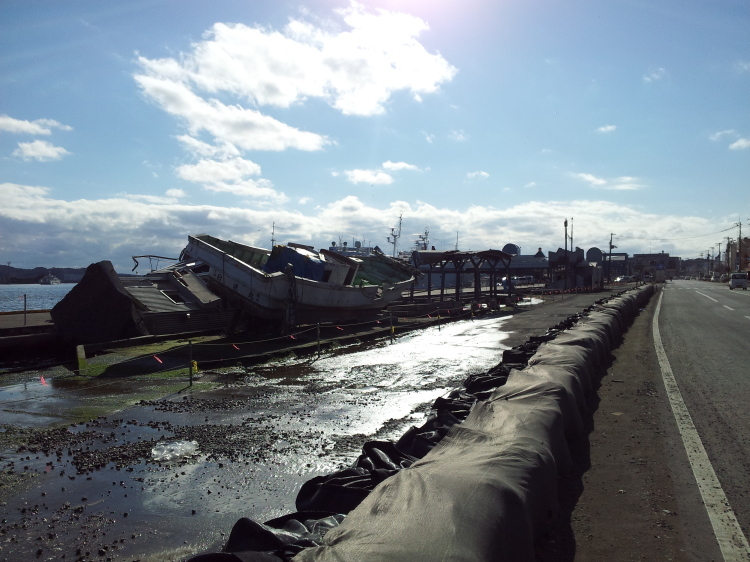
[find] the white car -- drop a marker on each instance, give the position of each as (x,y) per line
(738,281)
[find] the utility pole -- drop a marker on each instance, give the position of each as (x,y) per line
(609,272)
(566,253)
(718,256)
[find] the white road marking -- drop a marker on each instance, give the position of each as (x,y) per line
(732,542)
(729,307)
(713,299)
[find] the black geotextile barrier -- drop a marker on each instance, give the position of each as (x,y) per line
(324,501)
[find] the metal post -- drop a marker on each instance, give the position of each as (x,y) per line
(318,335)
(438,321)
(390,316)
(24,309)
(190,360)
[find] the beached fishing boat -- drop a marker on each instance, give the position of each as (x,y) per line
(298,284)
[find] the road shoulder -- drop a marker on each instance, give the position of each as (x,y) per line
(631,494)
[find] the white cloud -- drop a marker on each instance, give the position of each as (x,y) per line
(175,192)
(396,166)
(228,124)
(79,232)
(530,185)
(232,176)
(428,137)
(742,66)
(41,151)
(606,128)
(654,74)
(210,171)
(740,144)
(477,175)
(458,136)
(622,183)
(260,190)
(718,135)
(593,180)
(368,176)
(200,148)
(36,127)
(355,69)
(304,200)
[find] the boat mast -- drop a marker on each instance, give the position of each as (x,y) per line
(395,234)
(273,234)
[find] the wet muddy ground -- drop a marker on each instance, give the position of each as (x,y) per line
(93,491)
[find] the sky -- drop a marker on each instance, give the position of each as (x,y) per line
(126,126)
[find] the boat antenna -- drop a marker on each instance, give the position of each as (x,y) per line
(395,234)
(423,240)
(273,234)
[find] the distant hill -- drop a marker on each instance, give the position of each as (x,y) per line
(18,275)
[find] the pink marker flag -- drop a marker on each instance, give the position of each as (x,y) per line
(339,328)
(159,360)
(291,336)
(234,346)
(44,382)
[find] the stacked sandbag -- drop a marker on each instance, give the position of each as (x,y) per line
(478,479)
(487,491)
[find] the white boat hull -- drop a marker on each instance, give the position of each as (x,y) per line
(272,295)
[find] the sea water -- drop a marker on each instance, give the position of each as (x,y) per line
(38,297)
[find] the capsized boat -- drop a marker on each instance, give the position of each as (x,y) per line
(297,284)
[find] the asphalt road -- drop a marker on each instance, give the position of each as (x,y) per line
(705,329)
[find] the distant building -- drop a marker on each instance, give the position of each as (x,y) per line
(647,264)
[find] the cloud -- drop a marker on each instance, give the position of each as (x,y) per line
(718,135)
(36,127)
(458,136)
(41,151)
(606,129)
(428,137)
(304,200)
(593,180)
(530,185)
(355,67)
(742,66)
(622,183)
(209,171)
(79,232)
(654,74)
(175,192)
(200,148)
(260,190)
(740,144)
(477,175)
(368,176)
(228,124)
(232,176)
(396,166)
